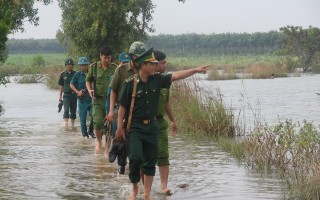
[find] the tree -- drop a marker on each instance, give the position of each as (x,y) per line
(13,14)
(88,25)
(302,43)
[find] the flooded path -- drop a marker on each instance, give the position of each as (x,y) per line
(41,159)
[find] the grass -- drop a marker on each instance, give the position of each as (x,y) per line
(289,149)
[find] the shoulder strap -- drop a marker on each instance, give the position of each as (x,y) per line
(135,81)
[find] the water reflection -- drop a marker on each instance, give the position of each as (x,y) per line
(41,159)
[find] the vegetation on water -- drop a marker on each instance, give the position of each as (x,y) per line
(205,113)
(288,149)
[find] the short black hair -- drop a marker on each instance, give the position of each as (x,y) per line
(159,55)
(106,51)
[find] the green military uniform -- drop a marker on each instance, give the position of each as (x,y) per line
(143,134)
(163,154)
(69,97)
(120,75)
(101,78)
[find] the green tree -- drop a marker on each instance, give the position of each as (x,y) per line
(13,14)
(302,43)
(88,25)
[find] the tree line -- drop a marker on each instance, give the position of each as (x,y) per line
(176,45)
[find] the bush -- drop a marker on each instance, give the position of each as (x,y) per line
(38,61)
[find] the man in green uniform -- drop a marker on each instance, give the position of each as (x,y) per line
(143,132)
(78,85)
(99,75)
(69,97)
(123,72)
(164,107)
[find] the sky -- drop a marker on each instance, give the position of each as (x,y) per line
(203,16)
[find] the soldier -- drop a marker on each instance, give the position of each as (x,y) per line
(123,72)
(123,58)
(99,75)
(69,97)
(78,85)
(143,132)
(164,107)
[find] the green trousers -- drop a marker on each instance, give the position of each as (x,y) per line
(163,154)
(99,112)
(69,105)
(143,150)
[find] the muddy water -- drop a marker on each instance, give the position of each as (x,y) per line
(41,159)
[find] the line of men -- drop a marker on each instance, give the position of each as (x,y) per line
(147,138)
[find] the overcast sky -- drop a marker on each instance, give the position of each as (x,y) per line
(204,16)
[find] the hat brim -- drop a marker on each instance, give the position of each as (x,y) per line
(83,63)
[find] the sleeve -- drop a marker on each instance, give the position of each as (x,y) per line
(89,74)
(115,85)
(61,81)
(165,80)
(74,79)
(126,94)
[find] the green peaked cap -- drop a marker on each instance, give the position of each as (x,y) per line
(146,57)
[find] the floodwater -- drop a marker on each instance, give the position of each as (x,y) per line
(41,159)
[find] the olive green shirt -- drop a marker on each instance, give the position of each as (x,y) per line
(102,77)
(163,99)
(147,95)
(120,75)
(65,79)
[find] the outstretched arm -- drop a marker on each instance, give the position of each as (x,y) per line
(189,72)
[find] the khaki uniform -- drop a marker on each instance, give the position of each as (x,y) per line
(69,97)
(163,154)
(102,78)
(143,134)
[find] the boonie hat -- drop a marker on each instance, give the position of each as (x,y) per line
(146,57)
(123,57)
(68,61)
(83,61)
(137,48)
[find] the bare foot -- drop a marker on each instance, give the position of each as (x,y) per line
(106,152)
(147,197)
(167,191)
(98,147)
(132,197)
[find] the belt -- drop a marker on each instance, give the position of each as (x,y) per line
(159,117)
(144,121)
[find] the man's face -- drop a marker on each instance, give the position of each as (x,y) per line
(161,66)
(149,68)
(69,67)
(84,67)
(133,57)
(105,60)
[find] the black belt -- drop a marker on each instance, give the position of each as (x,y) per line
(144,121)
(159,117)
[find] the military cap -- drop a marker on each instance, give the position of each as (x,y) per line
(123,57)
(68,61)
(146,57)
(83,61)
(137,48)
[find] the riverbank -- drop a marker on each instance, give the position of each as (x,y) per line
(288,149)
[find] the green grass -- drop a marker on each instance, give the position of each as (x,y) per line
(26,59)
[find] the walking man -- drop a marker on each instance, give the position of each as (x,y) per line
(69,97)
(97,82)
(143,132)
(78,85)
(123,72)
